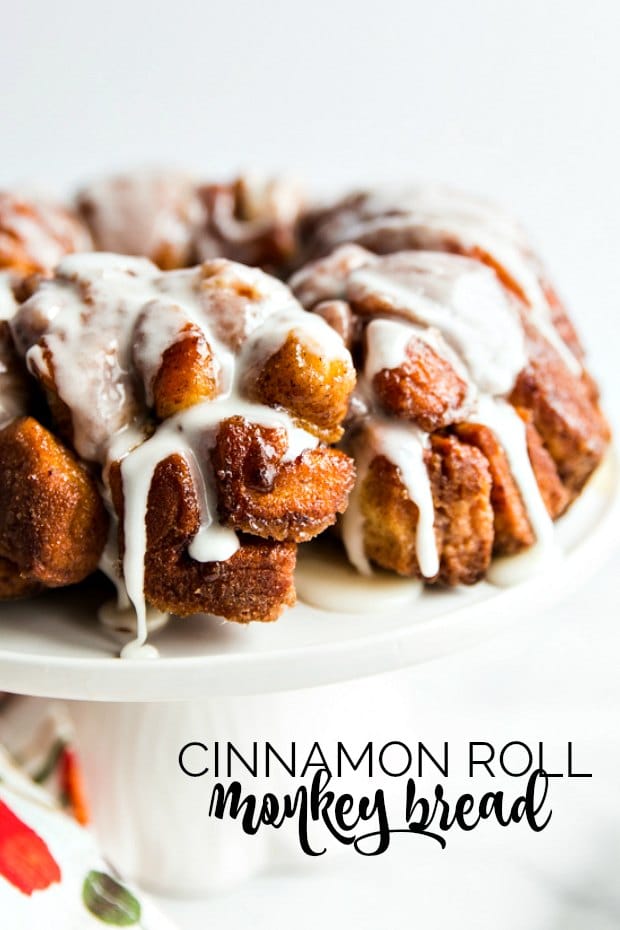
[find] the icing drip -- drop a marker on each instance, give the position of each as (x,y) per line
(190,434)
(101,328)
(510,429)
(404,445)
(388,342)
(8,304)
(119,615)
(456,306)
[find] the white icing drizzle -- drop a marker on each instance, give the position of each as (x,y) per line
(460,298)
(8,304)
(143,213)
(404,445)
(458,307)
(151,342)
(437,217)
(388,342)
(510,430)
(326,278)
(104,319)
(190,434)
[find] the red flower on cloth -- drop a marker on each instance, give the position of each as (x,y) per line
(25,860)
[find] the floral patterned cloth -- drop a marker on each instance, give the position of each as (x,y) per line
(52,876)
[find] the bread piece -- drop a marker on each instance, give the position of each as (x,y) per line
(255,584)
(461,483)
(425,389)
(512,530)
(564,412)
(258,493)
(314,389)
(53,525)
(461,487)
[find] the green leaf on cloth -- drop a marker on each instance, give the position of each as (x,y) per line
(110,901)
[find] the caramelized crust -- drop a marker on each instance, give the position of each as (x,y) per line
(425,388)
(15,584)
(513,531)
(313,389)
(564,412)
(461,486)
(53,524)
(512,527)
(390,519)
(553,492)
(260,494)
(461,483)
(255,584)
(186,375)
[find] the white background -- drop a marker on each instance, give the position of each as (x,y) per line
(513,98)
(518,100)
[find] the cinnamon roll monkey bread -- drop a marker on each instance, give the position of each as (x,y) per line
(180,418)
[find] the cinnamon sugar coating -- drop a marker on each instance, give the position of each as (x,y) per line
(564,411)
(255,584)
(53,526)
(461,488)
(425,388)
(260,494)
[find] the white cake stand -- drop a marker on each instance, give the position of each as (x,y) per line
(218,681)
